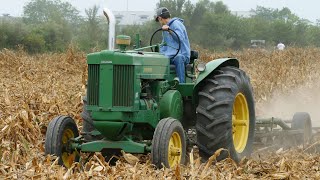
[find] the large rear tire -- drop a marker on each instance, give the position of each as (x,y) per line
(87,122)
(59,133)
(168,144)
(226,114)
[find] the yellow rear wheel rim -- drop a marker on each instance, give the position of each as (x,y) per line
(67,157)
(174,149)
(240,122)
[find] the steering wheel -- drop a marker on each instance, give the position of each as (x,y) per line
(178,50)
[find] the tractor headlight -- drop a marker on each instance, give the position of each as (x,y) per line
(201,67)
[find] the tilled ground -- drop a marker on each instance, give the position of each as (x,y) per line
(34,89)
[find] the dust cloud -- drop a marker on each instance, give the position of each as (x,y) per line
(305,98)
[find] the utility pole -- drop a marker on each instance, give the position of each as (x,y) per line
(127,5)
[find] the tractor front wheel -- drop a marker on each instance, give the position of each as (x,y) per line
(59,133)
(168,143)
(226,114)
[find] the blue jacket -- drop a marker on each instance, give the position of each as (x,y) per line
(176,24)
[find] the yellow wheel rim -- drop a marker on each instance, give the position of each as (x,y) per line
(240,122)
(174,149)
(67,157)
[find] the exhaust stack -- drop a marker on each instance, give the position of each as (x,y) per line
(112,26)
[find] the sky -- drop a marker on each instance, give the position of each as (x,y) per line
(308,9)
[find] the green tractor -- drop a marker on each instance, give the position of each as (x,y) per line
(134,104)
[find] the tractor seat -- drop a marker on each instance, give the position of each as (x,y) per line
(188,67)
(193,55)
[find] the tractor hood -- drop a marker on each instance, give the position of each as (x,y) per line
(128,58)
(147,65)
(114,78)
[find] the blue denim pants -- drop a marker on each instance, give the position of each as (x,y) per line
(180,62)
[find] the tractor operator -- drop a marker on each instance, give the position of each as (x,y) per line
(176,24)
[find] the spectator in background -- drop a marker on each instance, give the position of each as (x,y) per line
(281,46)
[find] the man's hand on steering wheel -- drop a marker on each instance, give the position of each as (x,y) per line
(165,27)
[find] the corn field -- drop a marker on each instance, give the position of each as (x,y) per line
(36,88)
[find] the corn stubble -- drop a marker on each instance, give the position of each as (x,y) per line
(34,89)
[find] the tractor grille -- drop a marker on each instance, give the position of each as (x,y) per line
(123,85)
(93,84)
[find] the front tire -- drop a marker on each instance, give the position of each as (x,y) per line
(226,114)
(59,133)
(168,144)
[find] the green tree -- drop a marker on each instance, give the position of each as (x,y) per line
(220,8)
(12,32)
(300,33)
(93,30)
(313,36)
(200,10)
(187,12)
(196,19)
(34,43)
(282,31)
(54,20)
(42,11)
(175,6)
(259,28)
(56,36)
(92,26)
(271,14)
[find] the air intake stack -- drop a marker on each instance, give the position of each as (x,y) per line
(112,26)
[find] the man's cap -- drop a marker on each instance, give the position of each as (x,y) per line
(161,12)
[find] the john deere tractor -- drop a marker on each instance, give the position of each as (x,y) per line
(135,104)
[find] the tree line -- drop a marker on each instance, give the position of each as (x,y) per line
(52,25)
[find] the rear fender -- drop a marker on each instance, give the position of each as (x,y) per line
(210,67)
